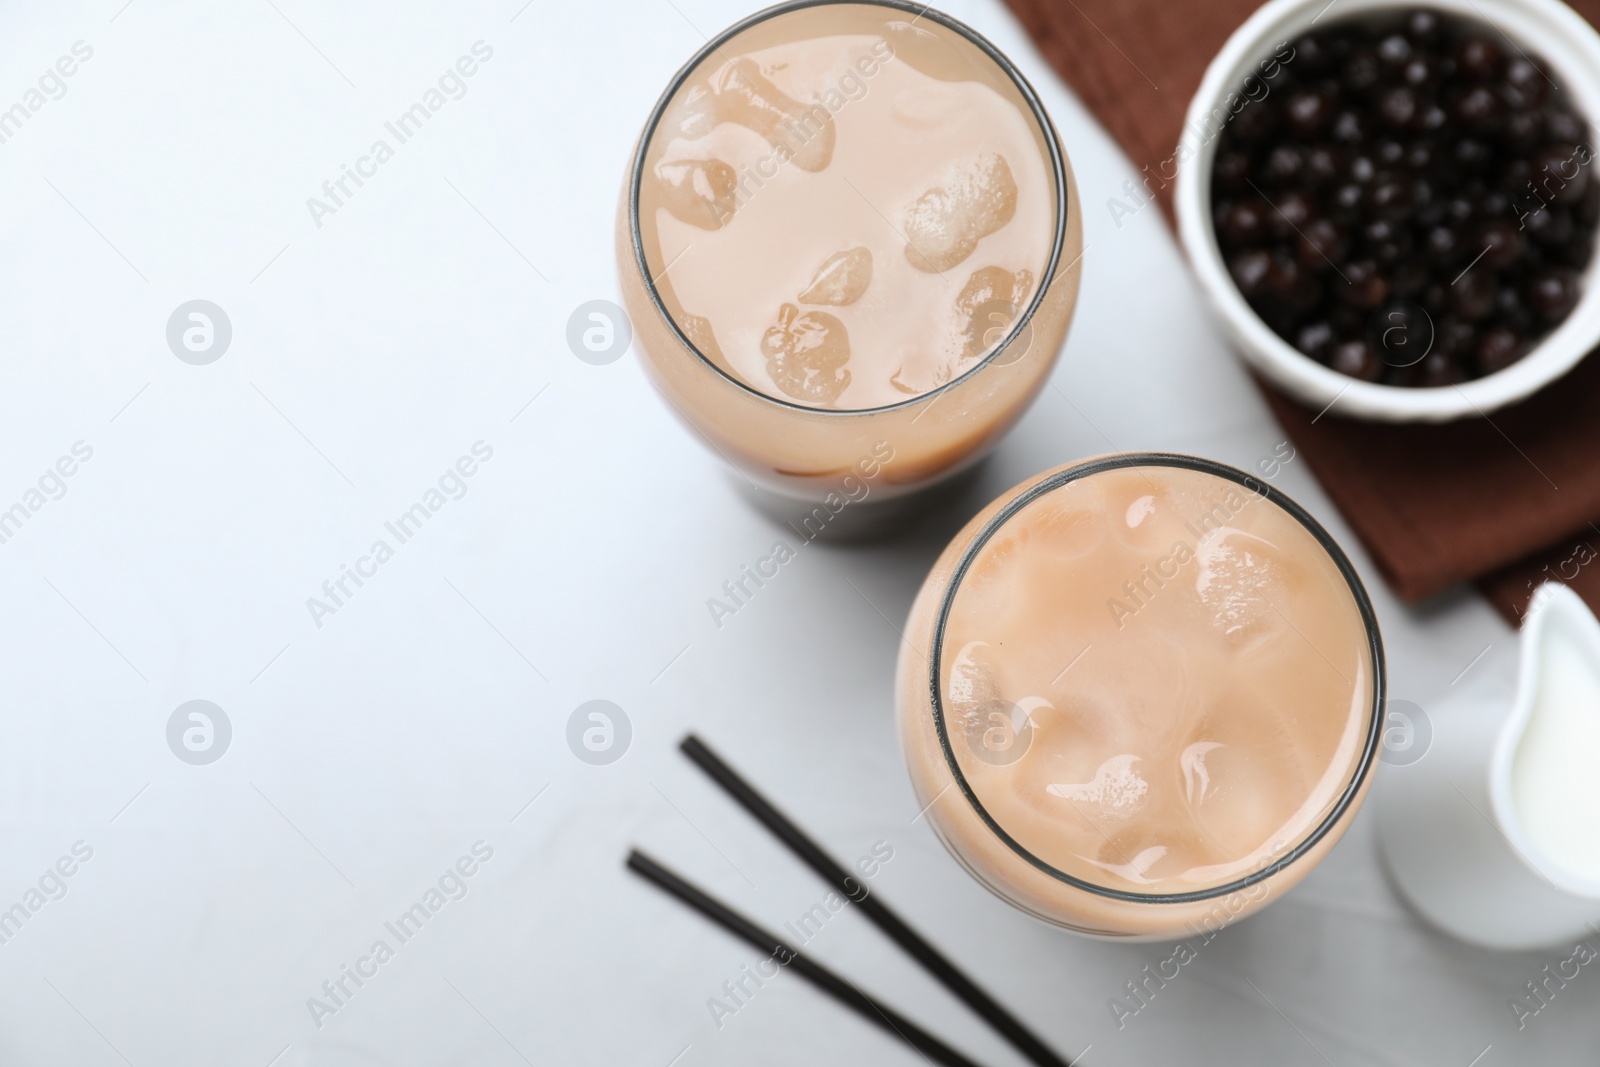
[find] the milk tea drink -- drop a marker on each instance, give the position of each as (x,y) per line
(838,212)
(853,257)
(1140,695)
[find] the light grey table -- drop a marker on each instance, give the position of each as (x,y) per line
(376,741)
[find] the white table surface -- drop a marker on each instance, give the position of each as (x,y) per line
(371,752)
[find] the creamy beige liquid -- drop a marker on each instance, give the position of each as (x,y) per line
(844,210)
(1155,680)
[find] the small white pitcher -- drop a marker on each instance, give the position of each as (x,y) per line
(1455,841)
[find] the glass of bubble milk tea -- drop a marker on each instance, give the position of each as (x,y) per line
(849,246)
(1140,696)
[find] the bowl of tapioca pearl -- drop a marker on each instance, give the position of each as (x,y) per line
(1392,207)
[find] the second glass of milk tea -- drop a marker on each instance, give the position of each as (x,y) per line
(849,246)
(1141,696)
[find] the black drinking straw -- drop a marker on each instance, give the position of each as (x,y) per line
(833,985)
(934,962)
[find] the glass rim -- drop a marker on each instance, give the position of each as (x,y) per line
(973,37)
(1363,766)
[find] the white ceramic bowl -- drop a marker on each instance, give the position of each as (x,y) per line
(1546,28)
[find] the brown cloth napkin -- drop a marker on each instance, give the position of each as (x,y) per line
(1508,500)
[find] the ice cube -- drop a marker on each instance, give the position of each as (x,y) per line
(1144,516)
(1196,778)
(701,192)
(1147,858)
(928,51)
(989,284)
(693,114)
(972,681)
(697,329)
(927,106)
(969,201)
(990,301)
(1069,525)
(1116,793)
(999,732)
(806,355)
(804,132)
(973,706)
(841,279)
(1245,775)
(915,378)
(995,730)
(1239,582)
(1113,856)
